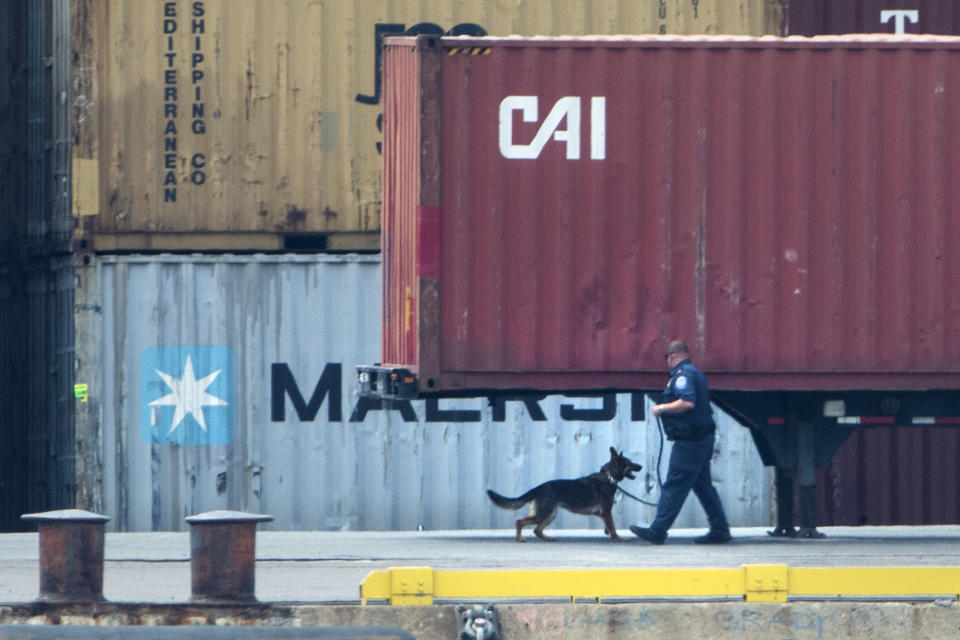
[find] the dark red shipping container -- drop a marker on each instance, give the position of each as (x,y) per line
(892,475)
(821,17)
(556,210)
(853,489)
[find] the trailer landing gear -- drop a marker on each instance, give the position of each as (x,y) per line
(800,461)
(784,485)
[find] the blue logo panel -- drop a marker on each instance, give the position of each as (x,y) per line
(188,395)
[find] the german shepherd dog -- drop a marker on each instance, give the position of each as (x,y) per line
(589,495)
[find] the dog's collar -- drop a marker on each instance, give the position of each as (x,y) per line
(610,478)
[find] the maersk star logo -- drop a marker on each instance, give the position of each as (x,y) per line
(188,395)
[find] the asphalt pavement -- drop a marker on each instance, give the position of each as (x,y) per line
(328,566)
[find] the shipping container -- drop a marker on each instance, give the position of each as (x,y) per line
(248,125)
(37,446)
(893,476)
(7,118)
(557,209)
(35,131)
(36,275)
(826,17)
(296,440)
(769,200)
(12,438)
(243,124)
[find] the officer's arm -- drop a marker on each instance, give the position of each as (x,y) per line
(677,406)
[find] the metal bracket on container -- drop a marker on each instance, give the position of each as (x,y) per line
(391,383)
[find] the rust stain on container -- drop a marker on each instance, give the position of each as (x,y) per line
(785,205)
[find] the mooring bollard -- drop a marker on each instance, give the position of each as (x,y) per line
(222,555)
(71,555)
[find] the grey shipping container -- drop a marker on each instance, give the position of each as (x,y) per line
(280,428)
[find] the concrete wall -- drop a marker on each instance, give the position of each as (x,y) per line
(549,621)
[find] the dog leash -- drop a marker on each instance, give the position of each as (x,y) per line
(630,495)
(659,480)
(660,453)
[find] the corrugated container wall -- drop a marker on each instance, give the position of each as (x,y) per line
(825,17)
(271,343)
(12,439)
(243,124)
(37,426)
(851,492)
(8,44)
(892,475)
(766,199)
(47,380)
(35,145)
(36,279)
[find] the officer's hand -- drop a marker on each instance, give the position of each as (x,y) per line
(656,410)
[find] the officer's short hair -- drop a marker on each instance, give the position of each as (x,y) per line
(678,346)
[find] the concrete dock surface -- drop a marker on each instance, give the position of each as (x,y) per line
(328,566)
(308,582)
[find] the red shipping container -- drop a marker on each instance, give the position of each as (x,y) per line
(821,17)
(555,210)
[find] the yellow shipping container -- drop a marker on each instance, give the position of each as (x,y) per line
(255,124)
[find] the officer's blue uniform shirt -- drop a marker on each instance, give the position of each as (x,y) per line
(689,383)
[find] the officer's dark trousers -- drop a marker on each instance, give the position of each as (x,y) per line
(689,469)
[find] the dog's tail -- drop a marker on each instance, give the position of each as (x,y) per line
(508,503)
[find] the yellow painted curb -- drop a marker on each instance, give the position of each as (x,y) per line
(752,582)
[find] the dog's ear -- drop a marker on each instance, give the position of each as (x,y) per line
(613,453)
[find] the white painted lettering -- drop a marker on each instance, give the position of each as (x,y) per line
(566,108)
(898,16)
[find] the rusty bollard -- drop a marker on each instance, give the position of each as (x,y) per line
(71,555)
(222,556)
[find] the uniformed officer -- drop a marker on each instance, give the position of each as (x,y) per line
(688,422)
